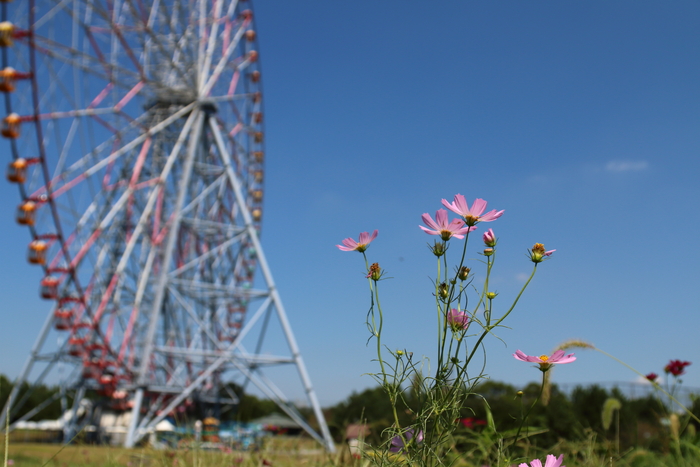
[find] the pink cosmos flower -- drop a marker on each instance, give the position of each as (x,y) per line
(545,361)
(550,462)
(489,238)
(472,215)
(351,245)
(446,231)
(457,320)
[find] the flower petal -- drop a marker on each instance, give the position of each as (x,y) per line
(364,237)
(559,357)
(441,219)
(491,216)
(430,222)
(428,231)
(520,355)
(568,359)
(459,206)
(455,225)
(478,207)
(348,245)
(553,461)
(556,356)
(374,235)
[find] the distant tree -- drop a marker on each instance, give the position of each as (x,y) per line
(252,407)
(588,405)
(40,394)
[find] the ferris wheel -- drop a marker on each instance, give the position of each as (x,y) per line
(136,134)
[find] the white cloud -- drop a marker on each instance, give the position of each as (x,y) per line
(641,380)
(626,166)
(521,276)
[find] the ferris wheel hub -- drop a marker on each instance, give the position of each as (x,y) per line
(208,106)
(172,97)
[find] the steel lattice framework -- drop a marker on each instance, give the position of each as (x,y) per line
(135,128)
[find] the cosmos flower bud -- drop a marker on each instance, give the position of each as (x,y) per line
(375,272)
(438,249)
(399,352)
(443,290)
(538,253)
(463,273)
(489,238)
(491,295)
(488,251)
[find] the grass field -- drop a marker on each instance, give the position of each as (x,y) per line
(277,452)
(289,452)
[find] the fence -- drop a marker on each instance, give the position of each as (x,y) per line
(632,390)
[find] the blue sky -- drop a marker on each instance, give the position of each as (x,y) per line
(580,119)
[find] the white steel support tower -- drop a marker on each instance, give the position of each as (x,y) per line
(136,141)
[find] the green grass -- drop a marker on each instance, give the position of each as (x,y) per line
(279,453)
(289,452)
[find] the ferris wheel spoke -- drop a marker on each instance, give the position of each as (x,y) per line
(224,60)
(198,117)
(82,61)
(178,54)
(51,14)
(216,18)
(99,164)
(154,195)
(164,53)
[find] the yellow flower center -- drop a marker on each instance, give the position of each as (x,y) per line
(471,220)
(544,358)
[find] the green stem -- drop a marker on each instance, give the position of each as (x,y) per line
(489,265)
(527,414)
(438,306)
(7,433)
(490,327)
(378,334)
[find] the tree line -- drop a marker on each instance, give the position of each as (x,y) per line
(575,415)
